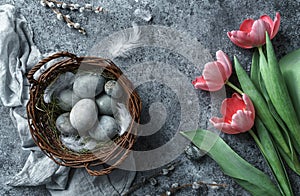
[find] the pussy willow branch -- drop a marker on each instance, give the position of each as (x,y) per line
(147,180)
(175,189)
(163,172)
(72,6)
(56,5)
(69,22)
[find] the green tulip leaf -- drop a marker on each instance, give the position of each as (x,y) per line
(290,68)
(255,73)
(278,120)
(247,176)
(277,91)
(265,111)
(261,107)
(273,158)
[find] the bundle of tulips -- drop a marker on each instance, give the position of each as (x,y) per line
(266,106)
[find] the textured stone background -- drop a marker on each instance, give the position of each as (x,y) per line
(205,20)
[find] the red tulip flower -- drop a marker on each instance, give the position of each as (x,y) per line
(252,33)
(238,115)
(215,74)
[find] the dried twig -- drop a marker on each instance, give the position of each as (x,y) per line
(55,6)
(195,185)
(151,179)
(174,187)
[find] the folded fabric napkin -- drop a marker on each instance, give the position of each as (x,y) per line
(17,55)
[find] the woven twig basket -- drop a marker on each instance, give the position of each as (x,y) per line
(111,154)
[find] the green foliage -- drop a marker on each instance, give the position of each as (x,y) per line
(247,176)
(278,92)
(290,68)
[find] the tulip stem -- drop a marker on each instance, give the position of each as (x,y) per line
(234,88)
(257,141)
(260,50)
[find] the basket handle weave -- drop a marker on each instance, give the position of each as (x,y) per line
(46,60)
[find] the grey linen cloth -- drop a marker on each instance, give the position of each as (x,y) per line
(17,55)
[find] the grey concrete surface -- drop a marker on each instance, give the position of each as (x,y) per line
(205,20)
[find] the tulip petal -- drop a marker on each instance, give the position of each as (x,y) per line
(231,131)
(216,120)
(276,25)
(249,105)
(200,83)
(220,125)
(214,71)
(240,39)
(247,25)
(230,106)
(224,60)
(273,24)
(243,37)
(258,33)
(214,75)
(242,121)
(267,19)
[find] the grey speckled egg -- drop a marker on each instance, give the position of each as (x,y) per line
(63,81)
(113,88)
(63,124)
(105,130)
(67,99)
(88,85)
(106,105)
(84,115)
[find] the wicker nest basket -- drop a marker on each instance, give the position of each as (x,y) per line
(40,119)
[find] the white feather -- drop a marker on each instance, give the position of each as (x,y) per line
(123,118)
(63,81)
(78,145)
(125,43)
